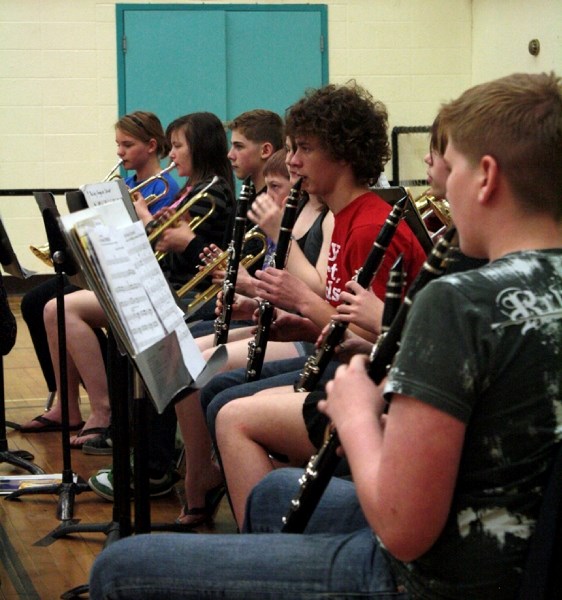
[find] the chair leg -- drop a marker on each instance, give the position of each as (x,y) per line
(49,401)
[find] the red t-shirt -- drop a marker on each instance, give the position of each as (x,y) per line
(355,229)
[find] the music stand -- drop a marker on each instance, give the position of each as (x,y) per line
(64,265)
(17,458)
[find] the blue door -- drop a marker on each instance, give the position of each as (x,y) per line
(226,59)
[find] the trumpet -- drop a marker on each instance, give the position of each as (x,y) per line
(110,175)
(155,197)
(435,214)
(160,227)
(218,262)
(43,252)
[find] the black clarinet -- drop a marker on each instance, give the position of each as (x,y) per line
(393,294)
(257,346)
(316,363)
(434,266)
(222,322)
(321,466)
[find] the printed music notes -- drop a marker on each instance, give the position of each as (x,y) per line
(121,269)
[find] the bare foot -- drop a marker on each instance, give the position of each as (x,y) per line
(91,430)
(50,421)
(197,496)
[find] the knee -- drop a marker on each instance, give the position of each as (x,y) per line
(211,412)
(50,313)
(270,499)
(229,419)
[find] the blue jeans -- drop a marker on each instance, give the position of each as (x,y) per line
(337,557)
(231,385)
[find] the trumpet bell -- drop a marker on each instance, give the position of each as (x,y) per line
(435,214)
(43,253)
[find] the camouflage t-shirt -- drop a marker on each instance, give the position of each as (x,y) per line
(497,367)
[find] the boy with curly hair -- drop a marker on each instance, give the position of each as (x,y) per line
(446,489)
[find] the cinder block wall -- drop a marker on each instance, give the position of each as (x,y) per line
(58,87)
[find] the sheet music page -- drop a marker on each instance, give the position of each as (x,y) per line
(127,289)
(98,194)
(161,297)
(108,198)
(192,356)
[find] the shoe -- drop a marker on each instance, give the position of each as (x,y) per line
(203,514)
(102,431)
(48,425)
(102,445)
(102,484)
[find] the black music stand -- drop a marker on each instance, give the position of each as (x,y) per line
(17,458)
(64,265)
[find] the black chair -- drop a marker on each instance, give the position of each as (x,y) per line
(542,578)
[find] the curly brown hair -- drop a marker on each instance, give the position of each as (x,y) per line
(349,124)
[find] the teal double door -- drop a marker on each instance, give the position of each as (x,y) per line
(176,59)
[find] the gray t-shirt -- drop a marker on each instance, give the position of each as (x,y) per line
(498,369)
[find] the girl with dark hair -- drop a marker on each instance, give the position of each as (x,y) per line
(82,310)
(141,144)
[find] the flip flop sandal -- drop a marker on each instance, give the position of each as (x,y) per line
(48,425)
(203,514)
(89,431)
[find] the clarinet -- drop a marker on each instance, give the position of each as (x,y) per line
(316,363)
(222,322)
(393,295)
(321,466)
(257,346)
(435,265)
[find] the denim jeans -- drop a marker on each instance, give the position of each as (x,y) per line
(337,557)
(231,385)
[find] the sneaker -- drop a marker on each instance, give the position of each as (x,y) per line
(102,484)
(101,445)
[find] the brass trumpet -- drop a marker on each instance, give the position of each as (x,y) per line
(193,224)
(43,252)
(155,197)
(110,175)
(220,261)
(435,214)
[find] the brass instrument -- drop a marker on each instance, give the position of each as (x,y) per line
(435,214)
(155,197)
(217,262)
(43,252)
(110,175)
(180,212)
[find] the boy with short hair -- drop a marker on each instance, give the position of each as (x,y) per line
(444,498)
(255,136)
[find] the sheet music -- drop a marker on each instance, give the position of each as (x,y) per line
(128,292)
(158,290)
(123,272)
(113,197)
(99,194)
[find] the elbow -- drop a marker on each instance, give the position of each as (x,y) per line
(406,546)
